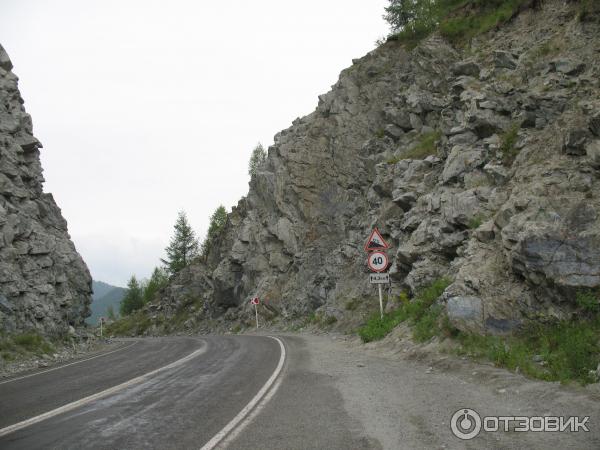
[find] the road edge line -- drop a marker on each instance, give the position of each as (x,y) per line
(253,406)
(69,364)
(98,395)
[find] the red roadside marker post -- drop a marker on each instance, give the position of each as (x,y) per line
(378,261)
(255,302)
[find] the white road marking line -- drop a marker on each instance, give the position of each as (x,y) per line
(91,398)
(67,365)
(256,402)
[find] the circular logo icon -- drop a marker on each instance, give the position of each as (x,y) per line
(378,261)
(465,424)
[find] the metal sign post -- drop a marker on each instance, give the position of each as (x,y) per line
(101,322)
(380,301)
(378,262)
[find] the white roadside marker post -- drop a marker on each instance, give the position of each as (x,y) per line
(255,302)
(101,321)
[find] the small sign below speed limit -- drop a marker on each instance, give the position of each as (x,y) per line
(378,261)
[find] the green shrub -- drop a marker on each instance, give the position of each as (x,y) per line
(457,20)
(352,305)
(426,146)
(24,344)
(379,133)
(421,312)
(329,320)
(588,300)
(135,323)
(475,222)
(570,350)
(508,140)
(468,19)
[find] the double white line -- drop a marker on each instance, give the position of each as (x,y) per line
(227,434)
(93,397)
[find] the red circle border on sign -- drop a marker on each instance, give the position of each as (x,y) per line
(387,261)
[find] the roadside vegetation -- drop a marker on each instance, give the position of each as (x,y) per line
(421,313)
(565,351)
(562,351)
(14,347)
(411,21)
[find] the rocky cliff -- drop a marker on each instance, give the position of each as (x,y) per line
(479,163)
(44,283)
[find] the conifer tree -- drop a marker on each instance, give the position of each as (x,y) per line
(183,246)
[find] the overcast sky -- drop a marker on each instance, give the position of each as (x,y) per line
(146,108)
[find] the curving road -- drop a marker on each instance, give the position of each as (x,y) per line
(263,393)
(172,393)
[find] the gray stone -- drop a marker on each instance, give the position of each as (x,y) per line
(398,117)
(574,143)
(468,67)
(406,200)
(567,66)
(592,149)
(5,62)
(45,285)
(497,172)
(393,131)
(459,161)
(5,306)
(466,313)
(570,262)
(504,60)
(297,237)
(594,123)
(485,232)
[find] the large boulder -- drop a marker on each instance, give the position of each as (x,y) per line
(466,313)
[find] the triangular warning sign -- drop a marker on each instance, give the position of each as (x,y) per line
(376,242)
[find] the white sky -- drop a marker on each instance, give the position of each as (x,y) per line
(146,107)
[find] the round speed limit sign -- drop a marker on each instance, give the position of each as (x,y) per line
(378,261)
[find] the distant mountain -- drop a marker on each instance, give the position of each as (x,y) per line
(104,296)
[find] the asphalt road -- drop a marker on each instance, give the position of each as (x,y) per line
(321,392)
(181,407)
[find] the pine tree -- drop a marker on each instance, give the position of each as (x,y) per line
(133,299)
(257,159)
(183,246)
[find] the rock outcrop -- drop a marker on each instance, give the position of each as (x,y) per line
(44,284)
(479,164)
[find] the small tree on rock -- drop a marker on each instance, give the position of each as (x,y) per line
(414,14)
(257,159)
(183,247)
(217,222)
(157,281)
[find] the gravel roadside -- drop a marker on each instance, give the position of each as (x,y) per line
(82,349)
(405,399)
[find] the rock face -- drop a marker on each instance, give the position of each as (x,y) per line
(480,166)
(44,283)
